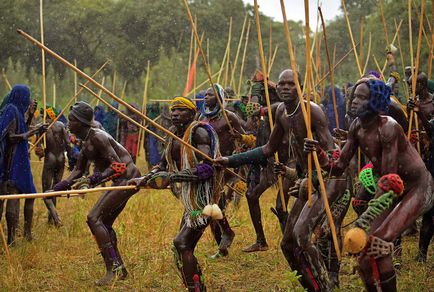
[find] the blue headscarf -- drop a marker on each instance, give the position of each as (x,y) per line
(340,106)
(204,110)
(379,100)
(15,106)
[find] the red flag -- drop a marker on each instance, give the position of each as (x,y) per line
(191,74)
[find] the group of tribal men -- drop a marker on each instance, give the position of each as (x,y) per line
(221,135)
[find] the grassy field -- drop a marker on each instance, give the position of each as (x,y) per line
(67,258)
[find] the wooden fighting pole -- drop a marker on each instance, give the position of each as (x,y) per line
(362,26)
(240,42)
(44,92)
(75,79)
(272,60)
(267,98)
(368,54)
(270,44)
(431,48)
(5,78)
(73,98)
(308,91)
(114,97)
(54,94)
(118,124)
(68,192)
(5,246)
(416,68)
(222,66)
(303,109)
(100,91)
(243,59)
(335,65)
(332,83)
(380,3)
(144,107)
(402,64)
(228,58)
(352,39)
(207,68)
(393,41)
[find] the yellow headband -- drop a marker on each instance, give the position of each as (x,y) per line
(182,102)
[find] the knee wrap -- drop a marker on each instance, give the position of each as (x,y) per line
(379,248)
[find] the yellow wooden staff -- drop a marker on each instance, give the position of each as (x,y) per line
(305,117)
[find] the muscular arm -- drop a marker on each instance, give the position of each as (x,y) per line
(235,122)
(275,138)
(320,128)
(102,142)
(202,142)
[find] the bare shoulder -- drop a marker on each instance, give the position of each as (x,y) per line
(389,128)
(200,136)
(316,110)
(101,137)
(231,115)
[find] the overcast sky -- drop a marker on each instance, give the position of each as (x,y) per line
(295,9)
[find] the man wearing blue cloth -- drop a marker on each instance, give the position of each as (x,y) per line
(15,173)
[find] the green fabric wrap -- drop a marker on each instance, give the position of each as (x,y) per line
(254,156)
(368,180)
(375,208)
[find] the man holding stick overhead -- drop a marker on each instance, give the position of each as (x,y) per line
(194,181)
(112,162)
(301,254)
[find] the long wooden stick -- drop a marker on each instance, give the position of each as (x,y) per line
(54,94)
(240,42)
(267,98)
(5,246)
(75,79)
(303,109)
(402,64)
(415,69)
(73,98)
(243,59)
(144,109)
(68,192)
(228,58)
(307,87)
(332,83)
(368,55)
(189,56)
(362,26)
(5,78)
(393,41)
(272,60)
(352,39)
(44,89)
(380,3)
(207,68)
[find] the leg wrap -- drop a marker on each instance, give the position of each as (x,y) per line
(379,248)
(375,208)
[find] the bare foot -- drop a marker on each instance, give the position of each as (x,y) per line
(119,273)
(258,246)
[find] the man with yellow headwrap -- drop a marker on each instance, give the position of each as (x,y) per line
(194,181)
